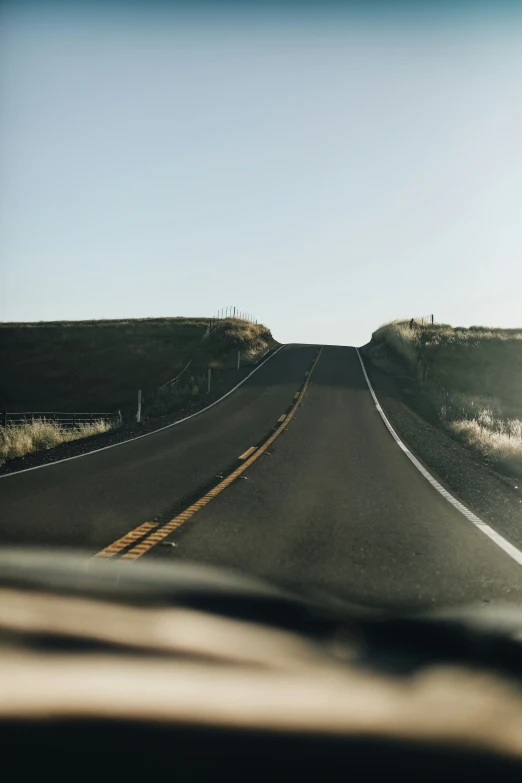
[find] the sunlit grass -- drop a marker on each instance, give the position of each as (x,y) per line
(471,378)
(500,442)
(39,435)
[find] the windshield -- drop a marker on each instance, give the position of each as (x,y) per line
(244,250)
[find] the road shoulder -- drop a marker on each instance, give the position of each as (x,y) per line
(494,497)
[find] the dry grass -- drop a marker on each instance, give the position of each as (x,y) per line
(40,435)
(91,366)
(251,339)
(100,365)
(399,338)
(499,444)
(472,380)
(219,352)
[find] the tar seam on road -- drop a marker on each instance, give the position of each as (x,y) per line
(165,530)
(499,540)
(146,435)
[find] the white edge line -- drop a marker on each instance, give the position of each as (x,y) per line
(499,540)
(146,435)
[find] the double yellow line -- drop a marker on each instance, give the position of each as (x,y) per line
(168,527)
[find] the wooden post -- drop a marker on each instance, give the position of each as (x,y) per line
(238,359)
(138,414)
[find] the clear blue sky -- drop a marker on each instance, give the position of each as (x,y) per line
(326,170)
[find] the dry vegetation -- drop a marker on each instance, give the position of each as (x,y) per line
(219,352)
(91,365)
(40,435)
(100,365)
(471,379)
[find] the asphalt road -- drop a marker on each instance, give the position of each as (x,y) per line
(90,501)
(335,507)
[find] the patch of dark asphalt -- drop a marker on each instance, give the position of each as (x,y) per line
(497,499)
(128,431)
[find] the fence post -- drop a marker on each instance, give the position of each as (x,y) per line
(138,414)
(238,359)
(234,312)
(74,419)
(209,379)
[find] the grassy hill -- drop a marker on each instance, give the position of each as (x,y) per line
(100,365)
(470,380)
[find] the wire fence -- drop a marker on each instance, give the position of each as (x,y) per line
(74,419)
(167,387)
(423,320)
(230,312)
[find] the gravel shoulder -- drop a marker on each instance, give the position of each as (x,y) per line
(497,499)
(221,386)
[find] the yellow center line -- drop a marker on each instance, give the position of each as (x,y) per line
(121,543)
(169,527)
(248,452)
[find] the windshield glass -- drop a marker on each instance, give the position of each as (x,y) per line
(244,251)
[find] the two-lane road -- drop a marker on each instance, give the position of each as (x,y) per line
(335,505)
